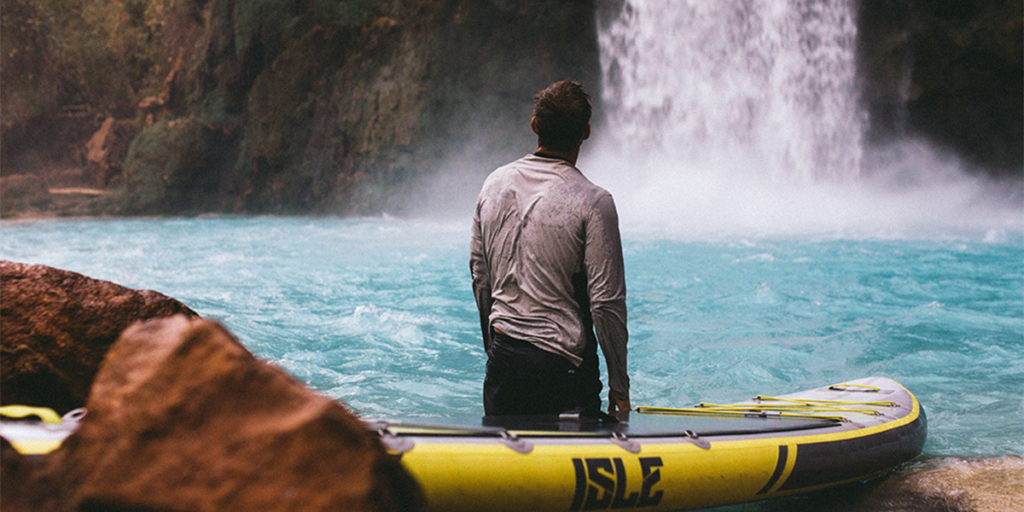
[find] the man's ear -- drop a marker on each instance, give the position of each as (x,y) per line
(533,125)
(586,132)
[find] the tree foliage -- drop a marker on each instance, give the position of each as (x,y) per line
(67,52)
(28,74)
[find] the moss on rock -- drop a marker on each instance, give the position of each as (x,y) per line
(174,166)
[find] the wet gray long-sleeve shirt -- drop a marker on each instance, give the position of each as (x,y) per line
(546,261)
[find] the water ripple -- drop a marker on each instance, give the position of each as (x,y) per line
(378,313)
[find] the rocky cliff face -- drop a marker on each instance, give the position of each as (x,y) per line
(947,71)
(287,106)
(348,108)
(299,106)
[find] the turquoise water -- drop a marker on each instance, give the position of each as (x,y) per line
(378,312)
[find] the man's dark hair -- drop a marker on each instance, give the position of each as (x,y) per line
(562,112)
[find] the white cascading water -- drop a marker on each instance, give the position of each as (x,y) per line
(743,116)
(770,83)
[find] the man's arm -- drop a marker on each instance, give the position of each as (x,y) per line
(606,284)
(480,272)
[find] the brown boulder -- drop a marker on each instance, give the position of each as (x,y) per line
(183,417)
(56,327)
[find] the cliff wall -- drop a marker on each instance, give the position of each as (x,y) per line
(310,106)
(947,71)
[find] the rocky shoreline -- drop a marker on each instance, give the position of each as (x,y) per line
(182,417)
(927,484)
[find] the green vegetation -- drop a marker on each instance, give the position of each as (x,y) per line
(29,87)
(68,52)
(171,168)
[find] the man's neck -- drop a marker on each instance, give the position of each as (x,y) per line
(568,156)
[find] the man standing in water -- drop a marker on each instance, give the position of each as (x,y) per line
(546,262)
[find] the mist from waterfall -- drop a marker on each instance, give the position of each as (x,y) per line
(743,116)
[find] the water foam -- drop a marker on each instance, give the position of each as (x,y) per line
(743,117)
(735,85)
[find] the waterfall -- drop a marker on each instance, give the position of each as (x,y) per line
(733,86)
(743,117)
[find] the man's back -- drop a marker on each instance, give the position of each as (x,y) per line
(546,262)
(546,242)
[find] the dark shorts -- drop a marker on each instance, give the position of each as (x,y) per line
(525,380)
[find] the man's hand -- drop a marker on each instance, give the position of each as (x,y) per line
(618,405)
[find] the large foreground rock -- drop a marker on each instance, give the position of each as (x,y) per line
(182,417)
(56,326)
